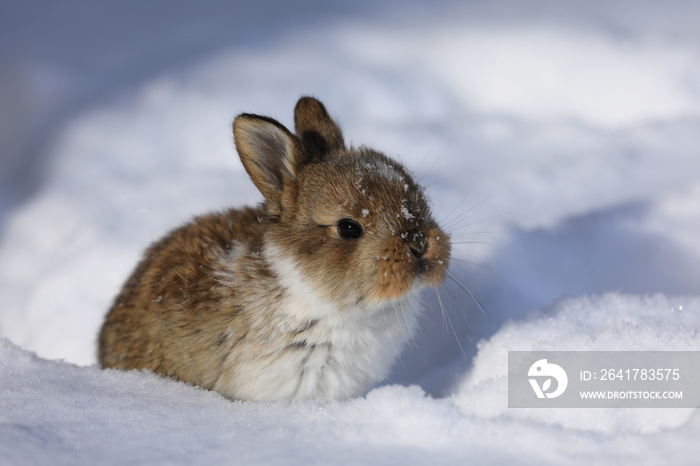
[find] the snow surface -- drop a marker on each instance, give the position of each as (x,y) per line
(561,146)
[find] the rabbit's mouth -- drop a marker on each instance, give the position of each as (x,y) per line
(416,261)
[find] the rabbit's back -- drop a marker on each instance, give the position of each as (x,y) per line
(174,312)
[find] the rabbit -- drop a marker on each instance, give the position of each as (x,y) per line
(309,296)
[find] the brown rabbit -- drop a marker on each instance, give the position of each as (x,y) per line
(309,296)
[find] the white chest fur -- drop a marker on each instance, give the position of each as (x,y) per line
(339,354)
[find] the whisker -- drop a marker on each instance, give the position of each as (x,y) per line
(458,233)
(454,278)
(448,309)
(441,180)
(458,312)
(442,307)
(460,243)
(408,328)
(448,222)
(448,219)
(419,322)
(471,264)
(455,225)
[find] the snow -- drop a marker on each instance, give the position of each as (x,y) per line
(559,143)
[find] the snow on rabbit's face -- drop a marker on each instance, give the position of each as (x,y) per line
(363,230)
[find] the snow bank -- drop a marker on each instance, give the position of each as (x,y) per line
(611,322)
(58,413)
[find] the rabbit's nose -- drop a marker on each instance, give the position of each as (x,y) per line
(417,243)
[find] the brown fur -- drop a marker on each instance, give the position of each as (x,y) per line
(209,303)
(174,291)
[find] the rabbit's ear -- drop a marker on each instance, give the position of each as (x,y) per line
(316,129)
(270,154)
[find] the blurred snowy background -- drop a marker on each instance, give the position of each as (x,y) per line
(561,145)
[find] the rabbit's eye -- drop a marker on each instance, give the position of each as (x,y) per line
(349,229)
